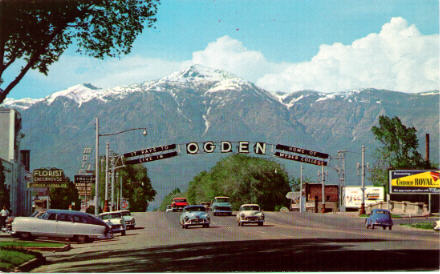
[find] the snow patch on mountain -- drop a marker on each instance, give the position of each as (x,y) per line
(78,93)
(22,104)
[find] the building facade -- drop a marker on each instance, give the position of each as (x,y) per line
(15,170)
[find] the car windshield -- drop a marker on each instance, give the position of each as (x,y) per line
(196,208)
(253,207)
(111,216)
(222,200)
(180,200)
(382,212)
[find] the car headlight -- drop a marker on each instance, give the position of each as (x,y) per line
(242,215)
(186,218)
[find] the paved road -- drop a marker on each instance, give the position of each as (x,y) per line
(287,242)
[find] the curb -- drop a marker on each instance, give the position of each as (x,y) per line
(37,261)
(67,247)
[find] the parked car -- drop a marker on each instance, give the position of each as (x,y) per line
(115,220)
(130,221)
(250,214)
(379,217)
(221,206)
(57,223)
(437,225)
(194,215)
(169,208)
(179,203)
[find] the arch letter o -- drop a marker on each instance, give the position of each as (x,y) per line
(192,148)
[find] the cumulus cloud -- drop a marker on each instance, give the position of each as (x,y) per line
(231,55)
(399,58)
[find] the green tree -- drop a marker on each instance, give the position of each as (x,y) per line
(61,198)
(4,193)
(137,187)
(168,199)
(34,34)
(398,150)
(245,179)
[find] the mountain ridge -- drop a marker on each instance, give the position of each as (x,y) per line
(223,107)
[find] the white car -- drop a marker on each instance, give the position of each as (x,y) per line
(251,214)
(115,220)
(130,221)
(57,223)
(437,225)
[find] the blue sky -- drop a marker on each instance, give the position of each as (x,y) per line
(328,45)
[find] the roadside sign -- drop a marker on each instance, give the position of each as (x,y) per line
(149,150)
(302,151)
(83,184)
(44,175)
(124,204)
(414,181)
(151,158)
(300,159)
(45,185)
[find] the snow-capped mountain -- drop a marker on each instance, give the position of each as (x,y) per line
(203,104)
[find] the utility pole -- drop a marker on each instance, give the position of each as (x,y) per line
(301,190)
(107,148)
(323,190)
(113,185)
(97,168)
(362,210)
(341,172)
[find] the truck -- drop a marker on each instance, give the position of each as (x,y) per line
(179,203)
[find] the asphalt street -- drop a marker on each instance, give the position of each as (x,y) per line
(287,242)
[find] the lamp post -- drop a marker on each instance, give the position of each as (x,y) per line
(144,132)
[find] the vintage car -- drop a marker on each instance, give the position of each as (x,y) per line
(130,221)
(194,215)
(437,225)
(169,208)
(115,220)
(57,223)
(179,203)
(250,214)
(221,206)
(379,217)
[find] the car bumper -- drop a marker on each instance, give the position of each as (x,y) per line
(196,222)
(251,220)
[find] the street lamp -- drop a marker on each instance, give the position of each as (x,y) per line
(144,133)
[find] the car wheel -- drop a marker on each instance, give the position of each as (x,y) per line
(367,226)
(26,236)
(372,227)
(384,227)
(123,233)
(260,224)
(238,223)
(390,227)
(82,239)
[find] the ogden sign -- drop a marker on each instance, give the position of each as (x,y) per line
(414,181)
(257,148)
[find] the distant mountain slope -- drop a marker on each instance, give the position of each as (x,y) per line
(202,104)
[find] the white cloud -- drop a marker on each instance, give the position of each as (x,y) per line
(230,55)
(399,58)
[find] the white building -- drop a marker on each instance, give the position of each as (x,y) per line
(15,162)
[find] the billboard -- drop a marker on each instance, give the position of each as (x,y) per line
(353,195)
(414,181)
